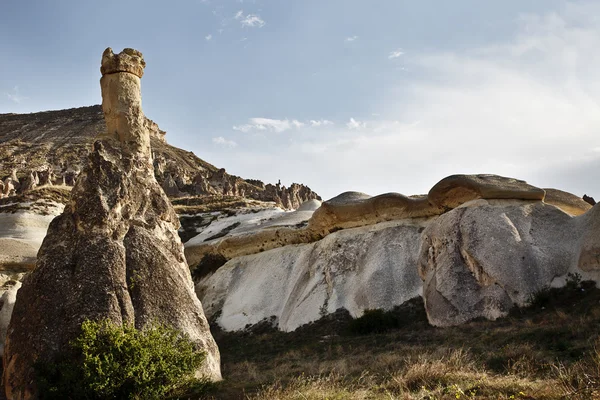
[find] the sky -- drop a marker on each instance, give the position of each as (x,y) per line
(371,96)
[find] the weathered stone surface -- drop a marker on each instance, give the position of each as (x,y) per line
(350,213)
(567,202)
(8,303)
(586,228)
(354,209)
(121,100)
(250,232)
(485,256)
(356,269)
(114,253)
(455,190)
(477,260)
(129,60)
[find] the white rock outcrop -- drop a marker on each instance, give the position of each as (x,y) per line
(486,256)
(356,269)
(480,244)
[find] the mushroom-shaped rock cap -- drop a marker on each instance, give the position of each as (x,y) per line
(129,60)
(455,190)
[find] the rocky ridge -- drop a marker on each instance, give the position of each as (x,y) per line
(51,148)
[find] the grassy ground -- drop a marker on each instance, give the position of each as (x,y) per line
(547,351)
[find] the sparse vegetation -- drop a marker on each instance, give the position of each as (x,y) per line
(110,361)
(534,353)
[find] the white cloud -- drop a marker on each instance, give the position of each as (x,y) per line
(15,95)
(265,124)
(280,125)
(321,122)
(395,54)
(354,124)
(221,141)
(351,38)
(297,124)
(250,20)
(253,21)
(208,37)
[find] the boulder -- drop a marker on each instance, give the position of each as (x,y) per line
(486,256)
(569,203)
(114,252)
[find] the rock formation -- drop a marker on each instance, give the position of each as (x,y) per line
(483,258)
(59,141)
(588,199)
(8,303)
(356,269)
(114,252)
(481,245)
(351,210)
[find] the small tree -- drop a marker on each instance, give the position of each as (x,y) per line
(110,361)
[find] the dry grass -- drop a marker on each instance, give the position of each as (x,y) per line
(549,353)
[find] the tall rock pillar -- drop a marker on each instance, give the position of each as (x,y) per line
(114,252)
(122,100)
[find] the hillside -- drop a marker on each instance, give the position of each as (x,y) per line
(51,146)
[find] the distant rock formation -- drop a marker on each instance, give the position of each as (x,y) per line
(588,199)
(54,146)
(114,253)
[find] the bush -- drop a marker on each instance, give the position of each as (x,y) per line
(109,361)
(542,297)
(375,321)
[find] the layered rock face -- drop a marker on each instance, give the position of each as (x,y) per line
(114,252)
(351,209)
(475,246)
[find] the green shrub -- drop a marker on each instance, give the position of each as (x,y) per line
(109,361)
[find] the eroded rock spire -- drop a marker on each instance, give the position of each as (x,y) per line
(114,252)
(122,99)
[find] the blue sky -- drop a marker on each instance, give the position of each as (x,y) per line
(374,96)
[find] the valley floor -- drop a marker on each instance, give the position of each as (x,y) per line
(550,350)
